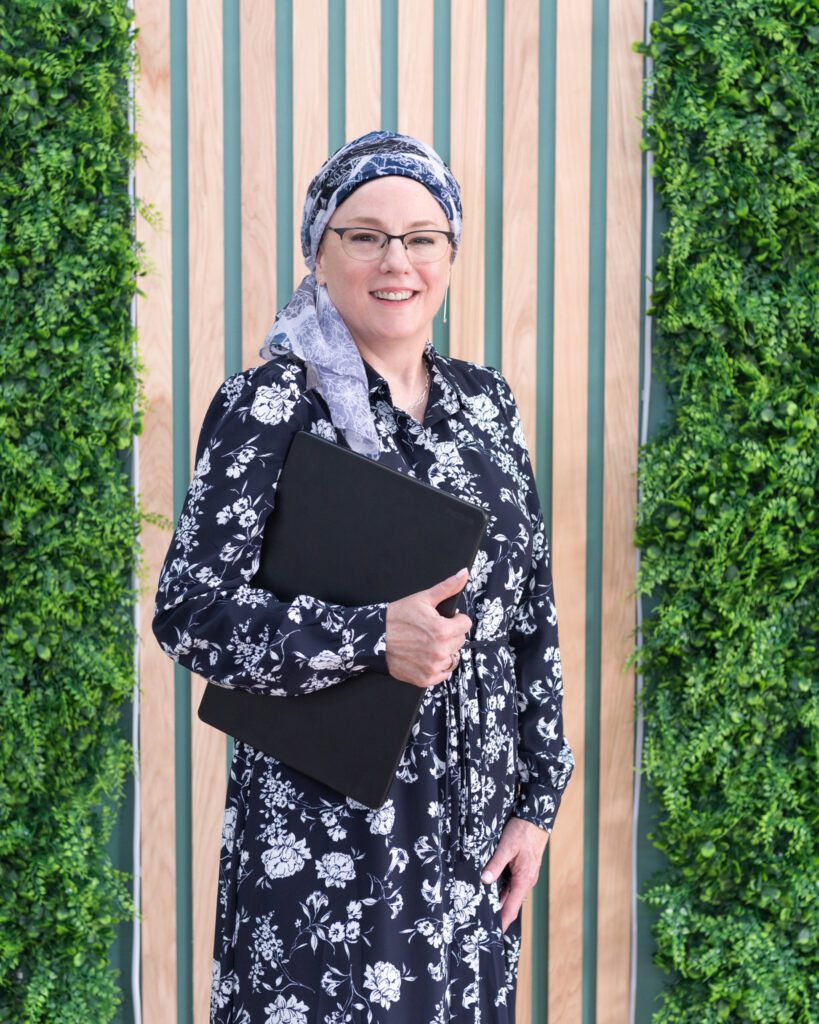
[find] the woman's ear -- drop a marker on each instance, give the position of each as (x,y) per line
(319,275)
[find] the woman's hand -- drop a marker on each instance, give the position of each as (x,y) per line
(421,641)
(521,846)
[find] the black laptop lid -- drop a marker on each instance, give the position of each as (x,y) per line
(352,531)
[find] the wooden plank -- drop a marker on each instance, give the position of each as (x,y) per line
(206,373)
(519,301)
(155,485)
(258,92)
(571,286)
(415,68)
(310,114)
(618,614)
(520,163)
(468,162)
(523,995)
(363,67)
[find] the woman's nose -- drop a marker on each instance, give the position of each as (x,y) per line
(394,255)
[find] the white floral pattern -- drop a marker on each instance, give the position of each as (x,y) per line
(336,869)
(384,982)
(288,1010)
(330,911)
(285,855)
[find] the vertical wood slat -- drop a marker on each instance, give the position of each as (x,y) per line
(415,64)
(258,99)
(519,288)
(520,196)
(155,475)
(363,68)
(523,994)
(571,292)
(206,263)
(467,148)
(620,445)
(310,115)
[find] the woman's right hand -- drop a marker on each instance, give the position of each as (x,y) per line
(421,641)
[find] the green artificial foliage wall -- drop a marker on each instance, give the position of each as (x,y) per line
(69,405)
(727,523)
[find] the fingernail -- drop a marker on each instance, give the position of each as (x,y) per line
(486,876)
(461,572)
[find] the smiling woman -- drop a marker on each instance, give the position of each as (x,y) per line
(329,911)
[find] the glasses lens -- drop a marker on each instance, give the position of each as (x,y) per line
(363,244)
(421,246)
(426,246)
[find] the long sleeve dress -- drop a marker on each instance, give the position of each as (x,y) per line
(329,911)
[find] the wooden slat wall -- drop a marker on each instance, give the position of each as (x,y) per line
(520,198)
(155,474)
(519,306)
(310,73)
(258,85)
(262,173)
(415,21)
(467,160)
(571,308)
(363,36)
(622,381)
(206,372)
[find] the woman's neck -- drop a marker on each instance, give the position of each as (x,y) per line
(402,366)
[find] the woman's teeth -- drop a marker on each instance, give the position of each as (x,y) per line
(393,296)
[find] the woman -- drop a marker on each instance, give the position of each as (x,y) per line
(329,911)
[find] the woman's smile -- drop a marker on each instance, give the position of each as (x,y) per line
(394,297)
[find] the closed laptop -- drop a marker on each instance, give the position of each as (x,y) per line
(352,531)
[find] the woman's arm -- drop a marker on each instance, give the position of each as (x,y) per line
(207,616)
(545,759)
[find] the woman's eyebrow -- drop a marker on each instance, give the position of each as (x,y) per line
(379,223)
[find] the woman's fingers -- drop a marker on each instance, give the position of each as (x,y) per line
(520,847)
(447,588)
(512,899)
(505,851)
(421,642)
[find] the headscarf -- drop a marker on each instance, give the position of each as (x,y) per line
(310,325)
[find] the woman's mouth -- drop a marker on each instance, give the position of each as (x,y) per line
(394,296)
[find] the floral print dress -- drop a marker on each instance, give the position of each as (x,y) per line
(329,911)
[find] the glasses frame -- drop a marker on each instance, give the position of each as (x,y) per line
(415,231)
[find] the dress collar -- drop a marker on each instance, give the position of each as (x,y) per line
(444,395)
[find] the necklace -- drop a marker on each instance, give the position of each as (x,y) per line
(423,393)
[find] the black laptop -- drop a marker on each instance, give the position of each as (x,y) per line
(349,530)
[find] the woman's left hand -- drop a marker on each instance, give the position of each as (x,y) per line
(521,846)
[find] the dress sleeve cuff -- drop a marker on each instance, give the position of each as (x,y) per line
(538,804)
(367,625)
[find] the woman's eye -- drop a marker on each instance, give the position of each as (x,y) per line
(422,240)
(362,236)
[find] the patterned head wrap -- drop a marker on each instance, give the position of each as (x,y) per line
(310,325)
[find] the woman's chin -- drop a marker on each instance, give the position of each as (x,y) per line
(394,332)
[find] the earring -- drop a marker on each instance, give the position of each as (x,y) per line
(446,297)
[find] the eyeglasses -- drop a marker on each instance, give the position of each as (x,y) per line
(421,246)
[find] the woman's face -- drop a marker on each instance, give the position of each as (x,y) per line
(395,205)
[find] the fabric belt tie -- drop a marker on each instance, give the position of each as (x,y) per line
(464,734)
